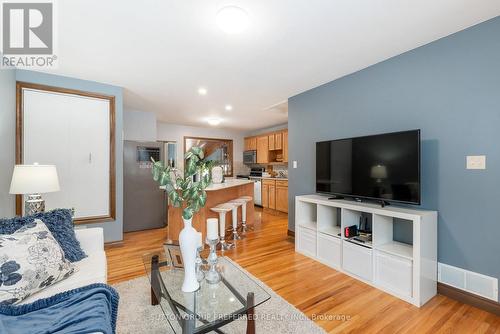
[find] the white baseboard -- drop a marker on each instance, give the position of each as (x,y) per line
(478,284)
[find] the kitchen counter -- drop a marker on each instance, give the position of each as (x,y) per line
(229,183)
(216,194)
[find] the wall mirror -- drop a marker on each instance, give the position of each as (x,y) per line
(220,150)
(75,131)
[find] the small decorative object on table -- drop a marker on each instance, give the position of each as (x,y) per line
(212,276)
(200,275)
(217,174)
(182,189)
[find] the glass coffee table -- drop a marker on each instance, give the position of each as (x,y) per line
(209,308)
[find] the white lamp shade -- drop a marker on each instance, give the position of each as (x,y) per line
(379,172)
(34,179)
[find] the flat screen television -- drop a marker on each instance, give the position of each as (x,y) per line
(384,167)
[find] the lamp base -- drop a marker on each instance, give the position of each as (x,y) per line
(34,204)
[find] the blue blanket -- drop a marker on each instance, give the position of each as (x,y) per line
(89,309)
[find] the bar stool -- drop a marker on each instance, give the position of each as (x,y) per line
(244,226)
(222,209)
(236,204)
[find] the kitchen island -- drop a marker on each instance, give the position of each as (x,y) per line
(216,194)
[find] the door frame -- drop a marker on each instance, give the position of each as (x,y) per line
(20,85)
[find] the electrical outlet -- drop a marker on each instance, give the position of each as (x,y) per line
(294,164)
(476,162)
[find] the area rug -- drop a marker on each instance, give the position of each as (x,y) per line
(137,315)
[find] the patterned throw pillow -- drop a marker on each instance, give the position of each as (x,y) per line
(59,223)
(30,260)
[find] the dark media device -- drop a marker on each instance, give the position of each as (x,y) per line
(384,167)
(351,231)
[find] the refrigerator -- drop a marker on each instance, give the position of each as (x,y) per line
(144,203)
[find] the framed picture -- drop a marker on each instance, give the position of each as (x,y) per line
(173,253)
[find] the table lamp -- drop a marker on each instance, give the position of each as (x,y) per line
(33,180)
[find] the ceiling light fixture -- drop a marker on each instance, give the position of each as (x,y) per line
(228,107)
(232,19)
(202,91)
(214,121)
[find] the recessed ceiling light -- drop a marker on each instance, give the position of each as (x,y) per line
(232,19)
(202,91)
(214,121)
(228,107)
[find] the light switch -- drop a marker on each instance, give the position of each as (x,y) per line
(476,162)
(294,164)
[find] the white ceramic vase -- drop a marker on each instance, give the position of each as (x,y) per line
(188,241)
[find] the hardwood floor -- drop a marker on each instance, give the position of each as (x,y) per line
(335,301)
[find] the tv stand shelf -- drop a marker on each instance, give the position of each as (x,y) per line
(405,268)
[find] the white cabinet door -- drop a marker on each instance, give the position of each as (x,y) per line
(306,241)
(72,132)
(357,260)
(394,273)
(329,250)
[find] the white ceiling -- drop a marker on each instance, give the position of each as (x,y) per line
(161,51)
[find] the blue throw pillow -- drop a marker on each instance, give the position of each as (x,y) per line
(59,223)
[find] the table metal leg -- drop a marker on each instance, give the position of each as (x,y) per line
(155,283)
(250,313)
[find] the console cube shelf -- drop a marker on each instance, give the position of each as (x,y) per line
(405,268)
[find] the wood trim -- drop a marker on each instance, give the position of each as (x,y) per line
(469,298)
(114,244)
(291,233)
(230,141)
(112,141)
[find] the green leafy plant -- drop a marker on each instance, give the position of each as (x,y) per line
(181,189)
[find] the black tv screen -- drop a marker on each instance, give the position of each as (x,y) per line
(379,167)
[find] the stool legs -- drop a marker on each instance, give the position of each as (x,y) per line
(244,227)
(222,228)
(235,224)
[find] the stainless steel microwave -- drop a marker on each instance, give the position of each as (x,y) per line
(249,157)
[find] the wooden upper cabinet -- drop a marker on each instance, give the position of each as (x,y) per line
(278,141)
(250,144)
(271,142)
(262,149)
(285,146)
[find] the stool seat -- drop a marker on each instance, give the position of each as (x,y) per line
(222,210)
(236,202)
(246,198)
(224,207)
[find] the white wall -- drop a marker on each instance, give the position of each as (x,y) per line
(174,132)
(139,125)
(7,139)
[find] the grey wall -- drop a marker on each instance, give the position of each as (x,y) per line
(113,231)
(450,89)
(7,139)
(139,125)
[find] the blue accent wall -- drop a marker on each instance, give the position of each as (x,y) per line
(113,231)
(450,89)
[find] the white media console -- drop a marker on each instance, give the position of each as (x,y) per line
(407,270)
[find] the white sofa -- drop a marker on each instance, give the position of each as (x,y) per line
(92,269)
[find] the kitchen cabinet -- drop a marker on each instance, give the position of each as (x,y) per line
(265,195)
(270,147)
(275,194)
(278,141)
(271,142)
(285,146)
(250,144)
(262,149)
(282,196)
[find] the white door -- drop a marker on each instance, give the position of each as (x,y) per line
(72,132)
